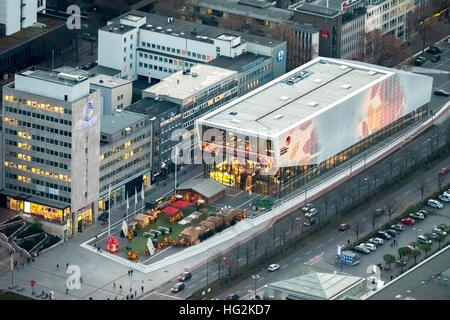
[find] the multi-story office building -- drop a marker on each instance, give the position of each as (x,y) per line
(51,132)
(152,47)
(164,118)
(19,14)
(125,156)
(297,127)
(116,93)
(341,25)
(388,16)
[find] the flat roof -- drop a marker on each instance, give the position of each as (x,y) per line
(295,97)
(182,28)
(9,42)
(237,63)
(108,81)
(206,187)
(153,108)
(248,9)
(182,86)
(322,7)
(118,121)
(104,70)
(429,280)
(53,76)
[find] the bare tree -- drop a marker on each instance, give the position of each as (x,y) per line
(217,258)
(391,207)
(232,22)
(422,186)
(373,219)
(384,49)
(358,227)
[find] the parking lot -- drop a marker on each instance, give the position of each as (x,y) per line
(404,238)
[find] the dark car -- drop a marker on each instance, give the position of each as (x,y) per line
(391,232)
(435,58)
(397,227)
(186,275)
(177,287)
(434,50)
(383,235)
(419,61)
(344,227)
(89,66)
(441,92)
(232,296)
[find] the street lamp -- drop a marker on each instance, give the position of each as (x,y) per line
(368,186)
(207,261)
(255,278)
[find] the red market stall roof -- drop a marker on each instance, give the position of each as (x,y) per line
(181,204)
(170,210)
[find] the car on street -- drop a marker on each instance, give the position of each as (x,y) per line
(408,221)
(419,61)
(312,212)
(444,197)
(441,92)
(417,216)
(309,222)
(434,50)
(435,58)
(177,287)
(391,232)
(370,246)
(439,231)
(424,240)
(376,241)
(307,206)
(232,296)
(383,235)
(273,267)
(186,275)
(362,249)
(434,204)
(398,227)
(344,227)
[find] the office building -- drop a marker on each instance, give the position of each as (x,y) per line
(308,121)
(51,139)
(16,15)
(116,93)
(149,46)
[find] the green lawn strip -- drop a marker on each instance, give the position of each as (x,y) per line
(13,296)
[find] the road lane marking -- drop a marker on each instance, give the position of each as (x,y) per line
(284,266)
(331,239)
(297,259)
(308,252)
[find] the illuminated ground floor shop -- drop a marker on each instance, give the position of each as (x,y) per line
(262,179)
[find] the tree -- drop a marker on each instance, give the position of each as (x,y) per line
(373,219)
(389,259)
(425,248)
(391,207)
(383,49)
(415,254)
(440,238)
(423,21)
(217,258)
(422,187)
(358,228)
(404,252)
(232,22)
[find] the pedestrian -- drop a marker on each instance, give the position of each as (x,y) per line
(114,285)
(120,287)
(135,293)
(67,264)
(131,296)
(81,280)
(130,290)
(57,266)
(131,271)
(95,245)
(392,277)
(142,289)
(67,291)
(115,298)
(128,298)
(348,242)
(128,272)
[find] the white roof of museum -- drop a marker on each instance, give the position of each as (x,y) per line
(297,96)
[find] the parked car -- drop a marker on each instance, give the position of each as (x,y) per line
(432,236)
(186,275)
(424,212)
(424,240)
(362,249)
(344,227)
(444,227)
(410,247)
(232,296)
(273,267)
(435,58)
(383,235)
(398,227)
(391,232)
(408,221)
(312,212)
(439,231)
(419,61)
(177,287)
(443,171)
(379,212)
(307,206)
(370,246)
(444,197)
(89,66)
(376,241)
(417,215)
(434,50)
(434,204)
(309,222)
(441,92)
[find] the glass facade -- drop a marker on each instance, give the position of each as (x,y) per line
(257,177)
(36,209)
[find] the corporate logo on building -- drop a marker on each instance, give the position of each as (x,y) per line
(88,117)
(280,56)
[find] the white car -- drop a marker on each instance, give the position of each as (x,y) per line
(370,246)
(434,204)
(376,241)
(445,197)
(439,231)
(273,267)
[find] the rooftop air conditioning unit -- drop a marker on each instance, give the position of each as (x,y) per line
(71,77)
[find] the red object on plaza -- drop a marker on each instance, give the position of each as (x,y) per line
(112,244)
(170,210)
(408,221)
(32,282)
(181,204)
